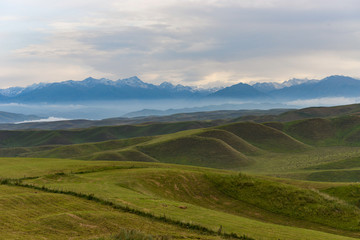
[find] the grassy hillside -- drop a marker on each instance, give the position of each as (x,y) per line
(289,201)
(334,176)
(312,130)
(79,150)
(184,194)
(319,131)
(28,138)
(265,137)
(299,180)
(232,146)
(198,151)
(326,132)
(184,148)
(304,113)
(272,148)
(352,162)
(232,140)
(319,112)
(349,193)
(59,216)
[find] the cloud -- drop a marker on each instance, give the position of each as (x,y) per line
(49,119)
(206,42)
(25,73)
(8,18)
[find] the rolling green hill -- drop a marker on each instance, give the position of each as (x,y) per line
(265,137)
(304,113)
(299,180)
(59,216)
(348,163)
(232,146)
(198,151)
(220,149)
(89,198)
(319,112)
(84,149)
(326,132)
(232,140)
(29,138)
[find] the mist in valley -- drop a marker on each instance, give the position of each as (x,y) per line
(134,108)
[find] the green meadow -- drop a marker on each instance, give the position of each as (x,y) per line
(242,180)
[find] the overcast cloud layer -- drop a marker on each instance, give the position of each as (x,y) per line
(192,42)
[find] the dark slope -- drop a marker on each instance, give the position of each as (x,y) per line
(241,91)
(304,113)
(319,112)
(28,138)
(343,130)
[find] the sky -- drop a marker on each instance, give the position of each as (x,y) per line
(206,43)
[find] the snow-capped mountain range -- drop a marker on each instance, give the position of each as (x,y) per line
(92,89)
(271,86)
(90,82)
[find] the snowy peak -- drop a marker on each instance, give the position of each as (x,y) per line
(92,89)
(133,82)
(93,81)
(239,91)
(266,86)
(271,86)
(11,92)
(167,85)
(178,87)
(296,81)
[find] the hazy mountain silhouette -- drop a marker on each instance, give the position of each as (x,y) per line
(333,86)
(92,89)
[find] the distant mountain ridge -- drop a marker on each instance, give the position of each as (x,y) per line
(270,86)
(333,86)
(92,89)
(216,117)
(222,107)
(295,89)
(7,117)
(245,91)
